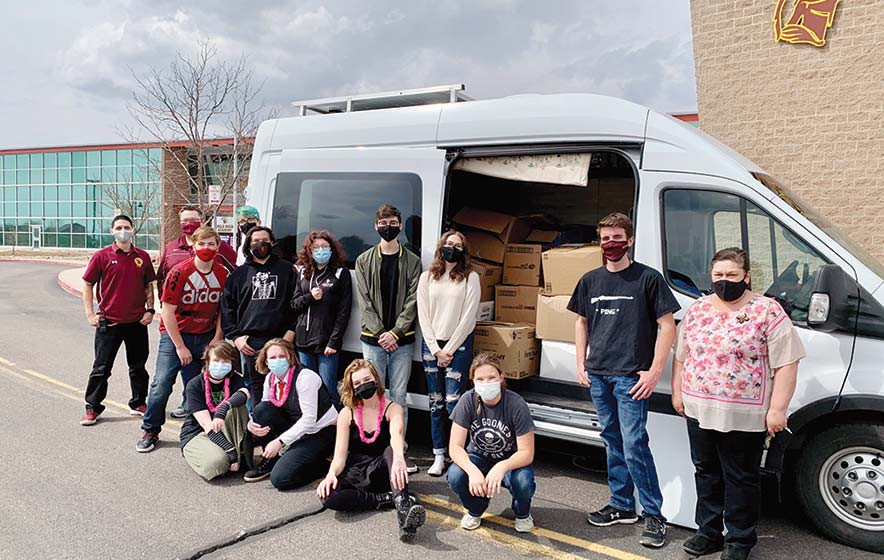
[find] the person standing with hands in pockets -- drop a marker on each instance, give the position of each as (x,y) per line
(620,308)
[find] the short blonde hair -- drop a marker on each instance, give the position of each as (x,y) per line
(206,232)
(348,396)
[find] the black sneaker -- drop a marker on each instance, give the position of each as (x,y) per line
(735,552)
(654,535)
(410,514)
(147,442)
(410,466)
(609,515)
(260,472)
(701,545)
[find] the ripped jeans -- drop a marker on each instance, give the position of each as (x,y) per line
(444,388)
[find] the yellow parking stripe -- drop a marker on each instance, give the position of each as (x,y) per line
(6,362)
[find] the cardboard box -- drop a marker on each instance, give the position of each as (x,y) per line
(484,245)
(515,304)
(558,361)
(547,238)
(554,321)
(514,346)
(489,232)
(521,265)
(563,267)
(485,311)
(490,275)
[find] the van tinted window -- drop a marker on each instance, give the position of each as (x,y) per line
(344,204)
(699,223)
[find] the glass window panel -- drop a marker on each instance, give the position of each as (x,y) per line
(108,210)
(108,174)
(9,177)
(36,209)
(78,159)
(139,174)
(155,155)
(64,159)
(50,193)
(37,176)
(139,156)
(50,209)
(93,174)
(78,175)
(50,240)
(8,238)
(50,225)
(78,225)
(50,159)
(50,176)
(93,159)
(36,161)
(124,157)
(21,177)
(64,209)
(9,163)
(22,209)
(64,240)
(78,210)
(93,241)
(24,239)
(93,209)
(9,208)
(106,239)
(64,176)
(78,241)
(22,194)
(109,158)
(64,192)
(22,161)
(153,174)
(78,192)
(36,194)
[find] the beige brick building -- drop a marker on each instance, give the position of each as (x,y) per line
(813,117)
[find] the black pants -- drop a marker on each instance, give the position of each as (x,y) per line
(107,344)
(253,378)
(727,473)
(306,459)
(347,497)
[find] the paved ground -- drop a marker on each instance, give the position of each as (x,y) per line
(74,492)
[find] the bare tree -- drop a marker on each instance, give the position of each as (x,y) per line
(132,199)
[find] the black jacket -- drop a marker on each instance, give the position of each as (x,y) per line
(322,322)
(256,300)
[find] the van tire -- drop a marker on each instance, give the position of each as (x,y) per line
(832,465)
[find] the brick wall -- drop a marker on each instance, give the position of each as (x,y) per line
(812,117)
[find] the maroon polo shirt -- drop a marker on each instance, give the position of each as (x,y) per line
(122,279)
(178,251)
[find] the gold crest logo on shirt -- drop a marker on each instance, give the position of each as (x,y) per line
(138,262)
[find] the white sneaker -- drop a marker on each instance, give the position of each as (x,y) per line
(469,522)
(523,525)
(438,466)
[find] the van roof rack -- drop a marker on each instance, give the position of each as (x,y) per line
(387,100)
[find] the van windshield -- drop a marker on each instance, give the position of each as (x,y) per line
(820,221)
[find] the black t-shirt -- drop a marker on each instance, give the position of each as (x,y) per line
(492,434)
(621,310)
(196,401)
(389,288)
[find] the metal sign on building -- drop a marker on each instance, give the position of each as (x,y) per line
(214,194)
(808,23)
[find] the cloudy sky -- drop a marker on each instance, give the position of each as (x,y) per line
(69,64)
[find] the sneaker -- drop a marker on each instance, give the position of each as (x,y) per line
(147,442)
(470,522)
(260,472)
(735,552)
(438,468)
(178,413)
(654,535)
(701,545)
(410,515)
(410,467)
(138,411)
(90,418)
(525,525)
(609,515)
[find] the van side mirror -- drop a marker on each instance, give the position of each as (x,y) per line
(829,306)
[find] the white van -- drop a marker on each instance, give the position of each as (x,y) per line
(688,195)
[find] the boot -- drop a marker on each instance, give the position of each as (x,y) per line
(382,500)
(410,514)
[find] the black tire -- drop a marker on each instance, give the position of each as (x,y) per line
(831,450)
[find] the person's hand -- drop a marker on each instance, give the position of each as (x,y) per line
(271,450)
(582,378)
(216,338)
(443,359)
(217,424)
(147,318)
(388,341)
(93,319)
(494,479)
(399,473)
(776,421)
(234,467)
(289,336)
(329,483)
(316,293)
(257,429)
(644,387)
(242,344)
(477,485)
(184,355)
(678,403)
(329,351)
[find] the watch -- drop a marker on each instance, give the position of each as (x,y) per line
(151,310)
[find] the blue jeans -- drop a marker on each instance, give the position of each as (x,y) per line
(395,370)
(168,366)
(624,431)
(327,368)
(444,388)
(520,483)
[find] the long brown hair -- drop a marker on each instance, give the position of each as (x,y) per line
(461,269)
(486,359)
(261,361)
(305,257)
(348,396)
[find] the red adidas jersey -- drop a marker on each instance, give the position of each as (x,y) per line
(197,295)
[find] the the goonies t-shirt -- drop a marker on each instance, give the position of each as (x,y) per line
(492,434)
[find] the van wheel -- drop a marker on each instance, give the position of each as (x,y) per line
(840,484)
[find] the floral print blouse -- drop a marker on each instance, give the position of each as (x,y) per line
(729,359)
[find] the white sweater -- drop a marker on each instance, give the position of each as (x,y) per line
(447,310)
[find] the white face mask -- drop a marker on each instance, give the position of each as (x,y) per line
(124,235)
(488,391)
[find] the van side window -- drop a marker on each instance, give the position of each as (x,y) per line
(698,223)
(345,205)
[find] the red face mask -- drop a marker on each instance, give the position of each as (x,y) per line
(614,250)
(189,227)
(205,254)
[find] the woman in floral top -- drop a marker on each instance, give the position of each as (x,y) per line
(734,374)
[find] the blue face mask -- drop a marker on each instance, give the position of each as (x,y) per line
(219,370)
(278,366)
(322,256)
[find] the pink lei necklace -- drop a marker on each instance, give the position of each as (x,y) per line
(208,383)
(285,395)
(359,424)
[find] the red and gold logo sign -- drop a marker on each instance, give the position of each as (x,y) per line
(808,23)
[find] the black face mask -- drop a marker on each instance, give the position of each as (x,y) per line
(730,291)
(261,249)
(389,233)
(451,254)
(366,390)
(244,228)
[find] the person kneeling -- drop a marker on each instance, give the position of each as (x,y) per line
(500,450)
(213,435)
(294,422)
(370,453)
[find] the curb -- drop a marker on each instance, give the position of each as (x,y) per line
(44,261)
(67,287)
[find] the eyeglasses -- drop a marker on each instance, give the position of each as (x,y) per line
(391,223)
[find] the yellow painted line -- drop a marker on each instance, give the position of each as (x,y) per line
(46,378)
(6,362)
(541,532)
(35,384)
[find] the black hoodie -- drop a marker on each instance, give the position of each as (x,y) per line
(257,298)
(322,322)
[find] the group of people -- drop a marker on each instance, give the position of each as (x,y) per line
(275,385)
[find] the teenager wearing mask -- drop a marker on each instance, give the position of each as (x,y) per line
(734,374)
(620,308)
(294,422)
(322,302)
(386,285)
(368,469)
(256,305)
(492,446)
(447,302)
(213,436)
(180,250)
(189,322)
(125,276)
(247,217)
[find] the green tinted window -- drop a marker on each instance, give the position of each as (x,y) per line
(22,161)
(50,159)
(36,193)
(64,159)
(78,192)
(93,159)
(78,159)
(21,177)
(50,176)
(64,209)
(78,175)
(109,157)
(124,157)
(64,240)
(37,176)
(22,209)
(22,194)
(78,210)
(50,209)
(93,174)
(78,241)
(64,176)
(9,163)
(36,161)
(64,192)
(36,209)
(50,193)
(9,177)
(108,174)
